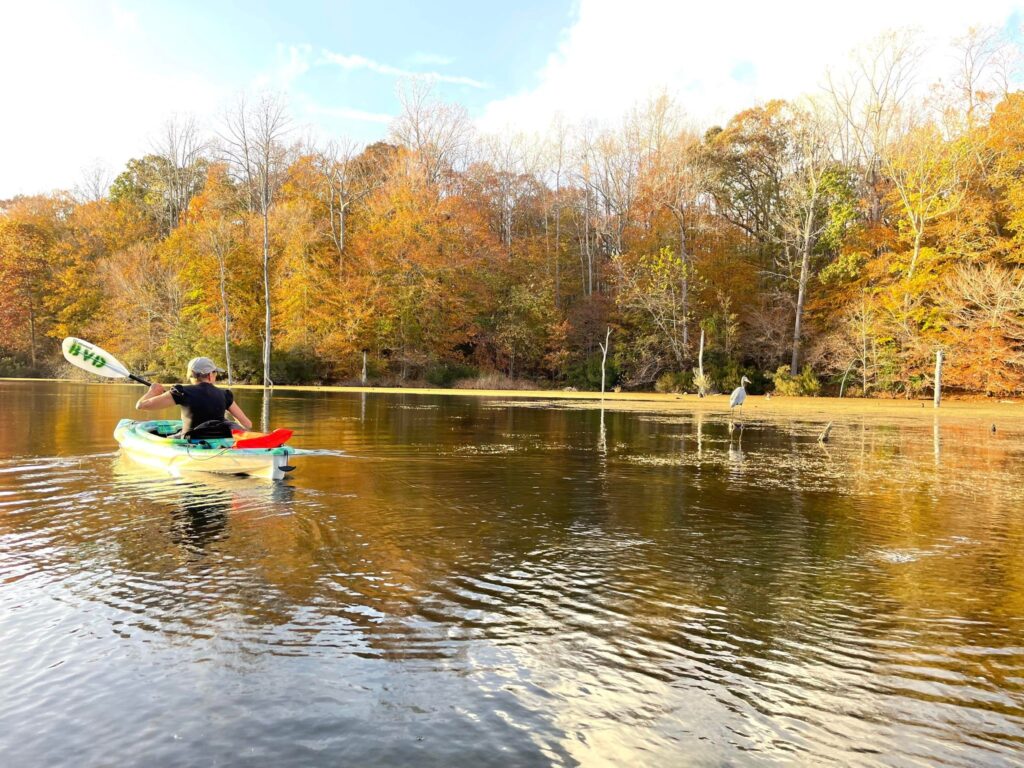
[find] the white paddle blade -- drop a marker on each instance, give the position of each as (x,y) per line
(91,358)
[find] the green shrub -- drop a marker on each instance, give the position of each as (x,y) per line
(674,381)
(586,374)
(17,367)
(294,367)
(444,375)
(724,374)
(375,369)
(286,366)
(805,384)
(760,382)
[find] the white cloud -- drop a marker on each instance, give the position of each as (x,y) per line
(347,113)
(77,95)
(293,61)
(719,58)
(355,61)
(125,21)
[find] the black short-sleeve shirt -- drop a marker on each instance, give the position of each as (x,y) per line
(200,402)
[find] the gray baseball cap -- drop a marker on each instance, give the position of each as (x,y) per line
(200,366)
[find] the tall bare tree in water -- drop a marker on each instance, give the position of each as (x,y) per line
(253,145)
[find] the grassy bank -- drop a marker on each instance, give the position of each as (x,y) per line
(983,411)
(986,410)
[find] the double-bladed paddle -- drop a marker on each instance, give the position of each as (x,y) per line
(91,358)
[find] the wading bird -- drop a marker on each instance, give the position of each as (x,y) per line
(739,394)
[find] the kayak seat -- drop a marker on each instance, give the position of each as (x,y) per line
(171,432)
(164,428)
(210,442)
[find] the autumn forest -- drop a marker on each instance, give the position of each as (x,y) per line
(831,244)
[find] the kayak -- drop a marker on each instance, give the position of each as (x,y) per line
(147,442)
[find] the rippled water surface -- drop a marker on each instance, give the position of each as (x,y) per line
(489,583)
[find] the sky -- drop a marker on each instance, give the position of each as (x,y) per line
(87,85)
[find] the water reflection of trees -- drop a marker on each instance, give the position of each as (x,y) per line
(476,521)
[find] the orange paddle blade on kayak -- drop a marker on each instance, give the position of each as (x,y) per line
(274,439)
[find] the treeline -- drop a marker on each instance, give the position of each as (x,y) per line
(834,243)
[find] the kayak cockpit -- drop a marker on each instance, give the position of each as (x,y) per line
(158,444)
(170,431)
(161,428)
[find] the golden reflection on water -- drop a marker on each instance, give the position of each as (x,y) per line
(585,586)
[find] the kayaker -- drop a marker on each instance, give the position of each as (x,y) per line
(201,402)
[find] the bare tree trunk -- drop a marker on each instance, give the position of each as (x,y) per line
(700,355)
(341,230)
(588,287)
(266,298)
(842,384)
(805,268)
(604,356)
(32,332)
(338,230)
(252,146)
(227,318)
(918,234)
(864,344)
(558,243)
(702,384)
(684,286)
(548,259)
(560,158)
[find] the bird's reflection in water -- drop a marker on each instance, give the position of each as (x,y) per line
(735,450)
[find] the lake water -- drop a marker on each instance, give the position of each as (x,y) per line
(490,583)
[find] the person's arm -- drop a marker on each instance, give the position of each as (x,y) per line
(155,399)
(239,414)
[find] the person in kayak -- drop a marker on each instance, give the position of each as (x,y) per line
(203,404)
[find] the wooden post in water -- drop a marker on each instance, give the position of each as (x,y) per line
(938,377)
(700,366)
(604,355)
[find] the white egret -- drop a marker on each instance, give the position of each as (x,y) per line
(739,394)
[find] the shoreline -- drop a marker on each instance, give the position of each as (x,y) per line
(813,408)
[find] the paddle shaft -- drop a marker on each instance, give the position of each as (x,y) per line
(139,379)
